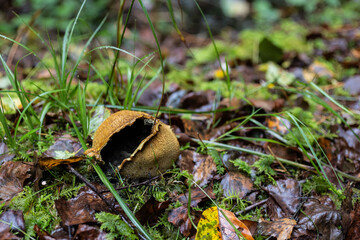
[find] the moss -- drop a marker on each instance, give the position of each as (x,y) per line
(94,90)
(34,85)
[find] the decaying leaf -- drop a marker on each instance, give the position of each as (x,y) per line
(280,228)
(85,231)
(82,208)
(278,124)
(354,230)
(65,150)
(12,178)
(201,166)
(320,220)
(236,184)
(4,154)
(217,223)
(197,196)
(98,117)
(285,198)
(151,211)
(352,85)
(179,218)
(268,51)
(199,101)
(11,222)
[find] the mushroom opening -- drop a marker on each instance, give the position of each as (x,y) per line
(123,143)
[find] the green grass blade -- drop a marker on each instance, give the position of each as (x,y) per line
(44,111)
(304,136)
(121,202)
(313,85)
(66,42)
(159,50)
(83,51)
(6,127)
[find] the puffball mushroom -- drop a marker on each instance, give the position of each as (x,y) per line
(134,143)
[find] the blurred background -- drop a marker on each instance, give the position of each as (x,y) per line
(54,15)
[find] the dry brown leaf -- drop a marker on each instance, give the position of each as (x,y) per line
(281,228)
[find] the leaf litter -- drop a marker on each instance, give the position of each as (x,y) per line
(295,204)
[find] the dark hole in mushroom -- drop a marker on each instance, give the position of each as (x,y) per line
(122,144)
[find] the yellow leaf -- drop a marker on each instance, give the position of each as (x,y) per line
(208,225)
(214,225)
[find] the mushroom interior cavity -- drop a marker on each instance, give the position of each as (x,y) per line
(123,143)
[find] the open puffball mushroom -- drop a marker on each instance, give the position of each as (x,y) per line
(134,143)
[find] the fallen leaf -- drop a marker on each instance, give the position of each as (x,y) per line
(12,178)
(320,220)
(319,69)
(214,225)
(268,105)
(151,95)
(197,196)
(354,230)
(89,233)
(150,212)
(195,128)
(4,153)
(236,184)
(278,124)
(281,151)
(352,85)
(280,228)
(277,75)
(99,115)
(179,218)
(11,222)
(201,166)
(65,150)
(286,195)
(82,208)
(198,101)
(41,234)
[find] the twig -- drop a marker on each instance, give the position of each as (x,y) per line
(282,165)
(252,206)
(92,187)
(135,185)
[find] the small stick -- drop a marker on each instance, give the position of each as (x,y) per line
(92,187)
(252,206)
(137,184)
(282,166)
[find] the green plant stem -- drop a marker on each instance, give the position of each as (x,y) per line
(121,202)
(160,54)
(282,160)
(189,207)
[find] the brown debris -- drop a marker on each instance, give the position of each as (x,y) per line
(285,198)
(236,184)
(150,212)
(201,166)
(12,178)
(280,228)
(179,217)
(11,222)
(82,208)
